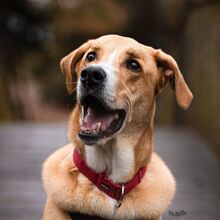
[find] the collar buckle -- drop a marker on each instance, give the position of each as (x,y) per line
(119,201)
(103,183)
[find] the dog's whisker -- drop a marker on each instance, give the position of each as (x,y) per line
(73,91)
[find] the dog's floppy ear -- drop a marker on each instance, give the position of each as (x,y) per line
(68,65)
(170,72)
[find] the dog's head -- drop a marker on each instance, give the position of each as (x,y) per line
(116,80)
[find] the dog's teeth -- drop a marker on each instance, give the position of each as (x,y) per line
(84,129)
(116,116)
(82,111)
(92,130)
(80,121)
(98,126)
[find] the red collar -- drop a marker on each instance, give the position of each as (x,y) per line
(114,190)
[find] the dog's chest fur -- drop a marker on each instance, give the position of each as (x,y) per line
(116,162)
(74,192)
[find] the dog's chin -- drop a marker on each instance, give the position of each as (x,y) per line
(99,122)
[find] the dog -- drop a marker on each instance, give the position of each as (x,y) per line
(110,169)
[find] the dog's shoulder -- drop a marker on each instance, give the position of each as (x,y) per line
(58,161)
(159,181)
(71,190)
(154,194)
(57,173)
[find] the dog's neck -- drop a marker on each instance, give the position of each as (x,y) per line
(118,157)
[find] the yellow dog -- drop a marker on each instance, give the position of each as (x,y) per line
(109,170)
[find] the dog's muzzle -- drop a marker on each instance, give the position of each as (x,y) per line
(99,118)
(92,78)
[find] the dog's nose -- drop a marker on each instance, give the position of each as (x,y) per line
(92,77)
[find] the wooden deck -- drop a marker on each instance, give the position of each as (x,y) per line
(25,146)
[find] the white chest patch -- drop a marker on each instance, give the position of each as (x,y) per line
(117,161)
(122,163)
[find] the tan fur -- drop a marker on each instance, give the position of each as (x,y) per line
(67,189)
(73,191)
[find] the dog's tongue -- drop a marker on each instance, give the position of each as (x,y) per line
(97,120)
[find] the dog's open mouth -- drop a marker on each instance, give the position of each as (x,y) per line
(99,121)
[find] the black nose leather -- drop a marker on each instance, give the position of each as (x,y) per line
(92,77)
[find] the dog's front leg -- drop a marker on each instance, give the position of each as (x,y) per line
(52,212)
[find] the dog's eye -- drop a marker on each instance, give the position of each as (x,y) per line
(133,65)
(90,56)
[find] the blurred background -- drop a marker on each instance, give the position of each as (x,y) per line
(36,34)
